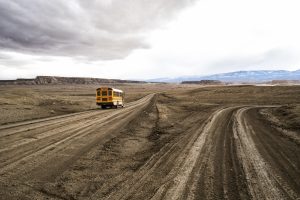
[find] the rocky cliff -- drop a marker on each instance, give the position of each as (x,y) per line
(56,80)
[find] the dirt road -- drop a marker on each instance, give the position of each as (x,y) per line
(151,149)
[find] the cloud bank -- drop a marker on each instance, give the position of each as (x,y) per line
(94,29)
(142,39)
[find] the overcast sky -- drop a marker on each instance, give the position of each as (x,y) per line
(142,39)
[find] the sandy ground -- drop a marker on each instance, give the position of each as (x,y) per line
(167,143)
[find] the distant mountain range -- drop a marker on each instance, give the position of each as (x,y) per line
(258,76)
(239,76)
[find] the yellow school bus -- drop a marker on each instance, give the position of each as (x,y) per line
(109,97)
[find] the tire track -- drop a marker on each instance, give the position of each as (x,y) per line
(59,141)
(219,160)
(18,156)
(132,186)
(177,189)
(176,159)
(230,154)
(21,127)
(205,170)
(263,181)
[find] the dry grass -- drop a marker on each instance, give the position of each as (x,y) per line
(286,97)
(260,95)
(19,103)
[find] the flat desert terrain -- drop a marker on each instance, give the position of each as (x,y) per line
(168,142)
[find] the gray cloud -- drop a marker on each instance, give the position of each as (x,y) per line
(95,29)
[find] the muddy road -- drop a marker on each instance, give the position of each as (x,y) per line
(158,147)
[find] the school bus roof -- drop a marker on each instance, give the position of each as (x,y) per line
(113,89)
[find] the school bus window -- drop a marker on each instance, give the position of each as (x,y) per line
(104,93)
(109,93)
(98,93)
